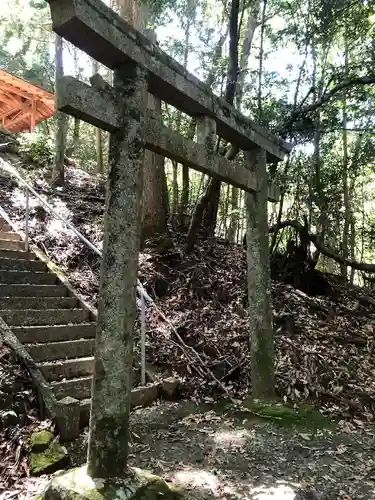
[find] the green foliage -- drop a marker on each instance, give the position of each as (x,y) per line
(37,149)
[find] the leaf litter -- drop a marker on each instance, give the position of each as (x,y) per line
(324,344)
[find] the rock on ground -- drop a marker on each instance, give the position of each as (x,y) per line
(76,484)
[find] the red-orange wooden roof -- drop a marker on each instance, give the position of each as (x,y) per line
(22,104)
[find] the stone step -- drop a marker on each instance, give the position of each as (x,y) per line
(4,226)
(11,245)
(22,265)
(32,290)
(27,277)
(17,254)
(29,334)
(85,407)
(70,349)
(9,235)
(28,317)
(140,396)
(38,303)
(67,368)
(79,388)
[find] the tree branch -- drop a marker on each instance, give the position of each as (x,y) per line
(351,82)
(313,238)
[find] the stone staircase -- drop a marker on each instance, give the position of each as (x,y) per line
(50,321)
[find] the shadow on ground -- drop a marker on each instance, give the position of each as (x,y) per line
(216,455)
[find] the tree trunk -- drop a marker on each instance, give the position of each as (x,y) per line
(206,134)
(260,76)
(98,133)
(208,207)
(76,121)
(174,189)
(191,10)
(154,206)
(58,172)
(184,194)
(345,161)
(213,191)
(233,223)
(75,138)
(99,151)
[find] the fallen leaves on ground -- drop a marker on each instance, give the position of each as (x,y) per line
(324,344)
(18,417)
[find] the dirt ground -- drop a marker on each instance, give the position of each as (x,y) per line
(324,356)
(231,456)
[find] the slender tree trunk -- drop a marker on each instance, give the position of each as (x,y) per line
(234,88)
(352,246)
(99,151)
(76,121)
(252,24)
(345,161)
(58,171)
(98,133)
(154,200)
(317,194)
(260,76)
(234,215)
(75,138)
(213,191)
(174,188)
(190,18)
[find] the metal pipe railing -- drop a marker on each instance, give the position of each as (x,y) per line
(144,296)
(27,217)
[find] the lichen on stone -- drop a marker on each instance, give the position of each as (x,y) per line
(40,440)
(51,459)
(76,484)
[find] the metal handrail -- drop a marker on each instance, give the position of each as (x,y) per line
(140,289)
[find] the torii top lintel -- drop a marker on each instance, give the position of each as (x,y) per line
(104,35)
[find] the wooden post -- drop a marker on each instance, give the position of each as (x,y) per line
(33,115)
(259,293)
(110,407)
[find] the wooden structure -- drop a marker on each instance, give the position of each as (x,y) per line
(23,104)
(140,66)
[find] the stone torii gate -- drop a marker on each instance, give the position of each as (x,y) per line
(140,66)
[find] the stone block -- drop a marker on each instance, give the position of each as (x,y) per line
(67,418)
(52,459)
(135,484)
(40,440)
(144,396)
(169,387)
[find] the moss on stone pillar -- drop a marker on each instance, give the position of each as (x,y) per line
(259,293)
(109,432)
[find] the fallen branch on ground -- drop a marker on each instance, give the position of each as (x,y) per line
(313,238)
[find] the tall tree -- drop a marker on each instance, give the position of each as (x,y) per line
(154,199)
(98,133)
(206,209)
(191,6)
(248,37)
(58,173)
